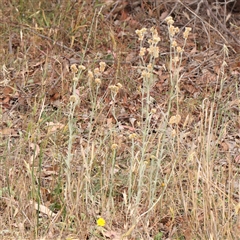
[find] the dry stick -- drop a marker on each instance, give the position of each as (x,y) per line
(221,25)
(69,49)
(218,21)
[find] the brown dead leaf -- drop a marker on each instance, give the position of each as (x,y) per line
(134,23)
(237,159)
(6,100)
(235,102)
(112,235)
(72,237)
(7,91)
(43,209)
(47,173)
(55,96)
(8,132)
(124,15)
(164,15)
(194,50)
(224,146)
(53,127)
(190,88)
(131,57)
(122,34)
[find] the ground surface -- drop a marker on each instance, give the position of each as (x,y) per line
(153,151)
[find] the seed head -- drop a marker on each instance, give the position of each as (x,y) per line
(174,43)
(176,59)
(119,85)
(186,32)
(97,72)
(90,75)
(74,68)
(81,67)
(141,33)
(132,136)
(179,49)
(98,81)
(153,110)
(114,88)
(142,52)
(74,99)
(75,79)
(114,146)
(102,66)
(169,20)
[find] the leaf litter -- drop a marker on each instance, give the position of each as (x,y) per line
(37,74)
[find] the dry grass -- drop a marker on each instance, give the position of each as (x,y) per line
(147,144)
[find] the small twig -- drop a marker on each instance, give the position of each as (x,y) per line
(70,49)
(218,21)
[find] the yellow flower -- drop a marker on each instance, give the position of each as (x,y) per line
(101,222)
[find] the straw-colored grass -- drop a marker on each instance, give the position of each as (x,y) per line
(90,150)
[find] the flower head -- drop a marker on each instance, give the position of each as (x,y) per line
(114,146)
(97,72)
(90,75)
(98,81)
(102,66)
(169,20)
(141,33)
(142,52)
(75,79)
(186,32)
(119,85)
(174,43)
(74,98)
(153,110)
(81,67)
(114,88)
(74,68)
(173,30)
(179,49)
(132,136)
(101,222)
(154,51)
